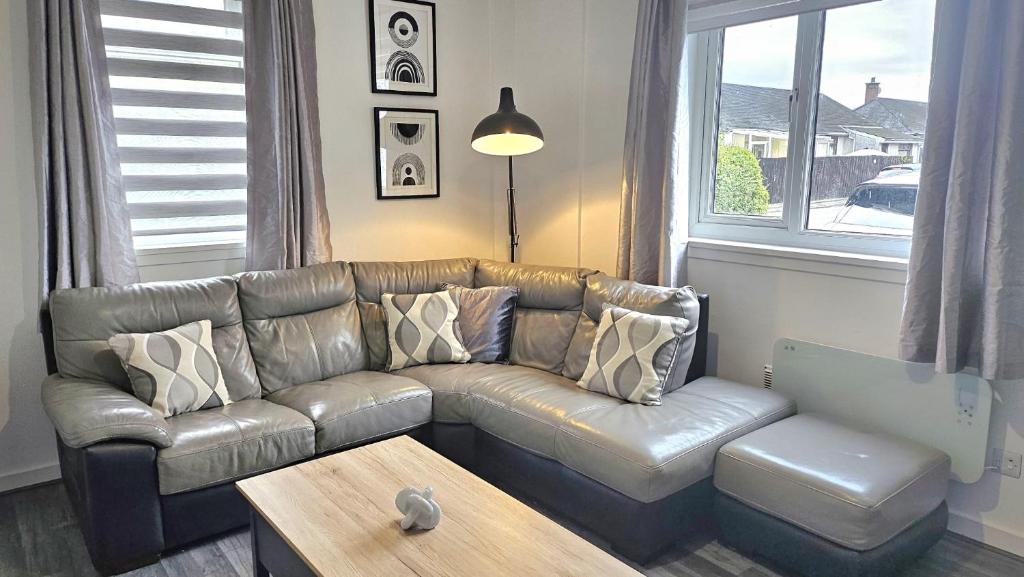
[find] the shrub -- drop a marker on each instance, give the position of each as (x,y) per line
(739,183)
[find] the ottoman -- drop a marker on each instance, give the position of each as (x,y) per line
(823,499)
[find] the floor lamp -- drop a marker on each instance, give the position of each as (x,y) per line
(508,133)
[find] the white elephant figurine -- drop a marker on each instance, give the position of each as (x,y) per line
(419,508)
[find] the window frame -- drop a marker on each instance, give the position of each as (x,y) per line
(791,229)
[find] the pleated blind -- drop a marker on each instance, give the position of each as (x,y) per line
(177,77)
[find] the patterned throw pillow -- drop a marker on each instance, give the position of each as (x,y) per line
(486,317)
(422,329)
(173,371)
(632,355)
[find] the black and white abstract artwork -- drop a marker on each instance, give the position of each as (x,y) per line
(407,153)
(403,50)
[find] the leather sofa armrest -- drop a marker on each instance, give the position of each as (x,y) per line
(86,412)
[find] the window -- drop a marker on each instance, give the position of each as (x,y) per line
(176,74)
(811,128)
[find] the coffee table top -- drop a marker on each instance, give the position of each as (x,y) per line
(338,514)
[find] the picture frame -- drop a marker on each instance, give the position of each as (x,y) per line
(403,47)
(407,147)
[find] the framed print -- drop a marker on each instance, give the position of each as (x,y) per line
(403,50)
(407,153)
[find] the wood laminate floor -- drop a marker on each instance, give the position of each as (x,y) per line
(39,538)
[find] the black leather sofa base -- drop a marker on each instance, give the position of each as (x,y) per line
(755,533)
(639,531)
(112,487)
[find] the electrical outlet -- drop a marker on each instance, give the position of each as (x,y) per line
(1006,463)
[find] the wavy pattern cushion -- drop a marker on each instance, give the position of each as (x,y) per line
(173,371)
(632,355)
(422,329)
(486,317)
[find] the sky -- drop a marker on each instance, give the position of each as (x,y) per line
(890,40)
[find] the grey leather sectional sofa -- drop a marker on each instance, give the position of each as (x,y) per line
(302,352)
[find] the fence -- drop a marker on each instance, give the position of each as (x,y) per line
(831,176)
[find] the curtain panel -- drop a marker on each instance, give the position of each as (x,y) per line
(85,227)
(654,177)
(288,225)
(965,292)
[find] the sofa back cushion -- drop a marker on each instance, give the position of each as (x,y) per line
(85,318)
(303,324)
(550,300)
(649,299)
(376,278)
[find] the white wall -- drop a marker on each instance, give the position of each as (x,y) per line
(568,62)
(27,453)
(363,228)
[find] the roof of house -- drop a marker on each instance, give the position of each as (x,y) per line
(907,116)
(886,133)
(757,108)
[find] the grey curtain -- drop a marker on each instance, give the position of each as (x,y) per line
(85,228)
(965,291)
(653,188)
(288,225)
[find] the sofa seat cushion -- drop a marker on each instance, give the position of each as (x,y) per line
(856,489)
(450,386)
(213,446)
(526,406)
(358,407)
(650,452)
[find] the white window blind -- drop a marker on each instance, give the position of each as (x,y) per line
(177,78)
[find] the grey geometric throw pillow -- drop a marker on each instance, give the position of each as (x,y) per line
(173,371)
(422,329)
(632,355)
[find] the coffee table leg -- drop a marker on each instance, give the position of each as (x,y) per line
(258,570)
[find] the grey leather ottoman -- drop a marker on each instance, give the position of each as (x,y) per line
(823,499)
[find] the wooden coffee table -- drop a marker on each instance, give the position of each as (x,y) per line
(336,516)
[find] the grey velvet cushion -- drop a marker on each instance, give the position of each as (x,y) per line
(655,300)
(486,318)
(303,324)
(422,329)
(550,300)
(633,355)
(174,371)
(854,488)
(213,446)
(358,407)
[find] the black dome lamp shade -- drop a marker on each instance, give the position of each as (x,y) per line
(508,132)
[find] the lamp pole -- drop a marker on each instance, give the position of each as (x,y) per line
(513,227)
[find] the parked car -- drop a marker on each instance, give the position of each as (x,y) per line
(882,205)
(899,169)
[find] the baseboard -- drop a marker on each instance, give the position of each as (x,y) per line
(29,477)
(989,534)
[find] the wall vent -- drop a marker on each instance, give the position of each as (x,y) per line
(767,381)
